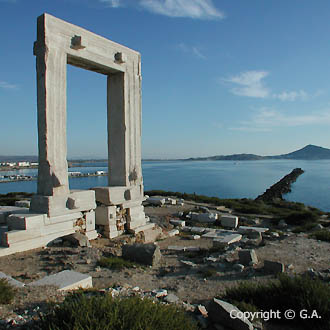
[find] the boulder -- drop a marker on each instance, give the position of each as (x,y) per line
(254,235)
(227,314)
(151,235)
(238,267)
(273,267)
(170,201)
(249,221)
(77,239)
(255,238)
(247,257)
(173,232)
(178,223)
(282,224)
(204,217)
(229,221)
(156,201)
(317,227)
(147,254)
(23,203)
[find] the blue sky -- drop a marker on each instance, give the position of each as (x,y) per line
(219,76)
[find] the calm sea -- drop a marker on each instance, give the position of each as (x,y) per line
(224,179)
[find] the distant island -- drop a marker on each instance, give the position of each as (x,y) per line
(310,152)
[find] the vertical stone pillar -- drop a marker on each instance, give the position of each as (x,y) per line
(51,91)
(53,183)
(117,130)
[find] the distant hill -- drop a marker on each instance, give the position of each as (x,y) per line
(310,152)
(230,157)
(15,159)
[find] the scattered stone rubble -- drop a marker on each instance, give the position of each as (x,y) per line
(230,255)
(216,312)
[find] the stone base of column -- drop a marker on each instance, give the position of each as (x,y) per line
(26,230)
(76,200)
(121,205)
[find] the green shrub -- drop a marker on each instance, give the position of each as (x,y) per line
(116,263)
(304,228)
(80,311)
(322,235)
(208,271)
(301,218)
(7,292)
(296,293)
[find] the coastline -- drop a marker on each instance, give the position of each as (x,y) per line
(33,178)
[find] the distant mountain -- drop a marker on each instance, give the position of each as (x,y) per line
(230,157)
(310,152)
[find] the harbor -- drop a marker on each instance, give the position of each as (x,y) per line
(20,177)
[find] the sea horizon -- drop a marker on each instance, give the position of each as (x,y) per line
(223,179)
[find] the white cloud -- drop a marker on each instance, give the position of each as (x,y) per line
(198,53)
(112,3)
(249,129)
(192,50)
(292,96)
(249,84)
(267,119)
(200,9)
(5,85)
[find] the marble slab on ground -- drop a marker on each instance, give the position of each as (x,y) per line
(219,233)
(11,281)
(178,223)
(198,230)
(66,280)
(186,228)
(192,248)
(227,239)
(176,248)
(246,229)
(173,232)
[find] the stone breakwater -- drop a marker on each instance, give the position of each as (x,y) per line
(283,186)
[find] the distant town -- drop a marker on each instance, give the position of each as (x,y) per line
(5,166)
(13,166)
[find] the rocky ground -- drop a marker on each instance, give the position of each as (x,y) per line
(193,277)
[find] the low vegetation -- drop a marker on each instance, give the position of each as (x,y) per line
(302,218)
(10,198)
(83,311)
(321,235)
(296,293)
(290,211)
(7,293)
(117,263)
(304,228)
(208,272)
